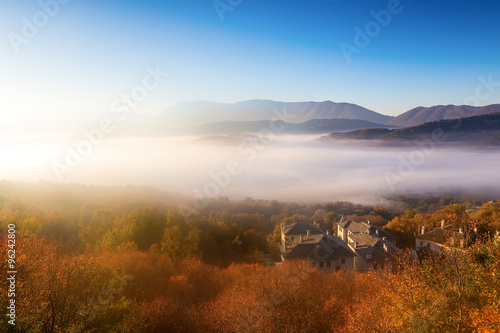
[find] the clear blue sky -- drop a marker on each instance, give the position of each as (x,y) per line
(90,52)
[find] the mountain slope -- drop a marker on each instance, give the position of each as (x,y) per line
(478,129)
(421,115)
(198,113)
(313,126)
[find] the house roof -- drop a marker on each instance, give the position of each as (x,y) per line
(358,227)
(365,239)
(372,244)
(311,239)
(343,223)
(365,228)
(441,236)
(325,249)
(376,254)
(300,251)
(300,228)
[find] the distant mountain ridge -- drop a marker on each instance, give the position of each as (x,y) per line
(198,113)
(477,129)
(421,115)
(313,126)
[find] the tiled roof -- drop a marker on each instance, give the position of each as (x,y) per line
(301,228)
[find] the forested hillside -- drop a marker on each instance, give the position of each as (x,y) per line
(128,260)
(483,129)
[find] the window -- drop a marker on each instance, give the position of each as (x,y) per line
(321,264)
(328,264)
(342,260)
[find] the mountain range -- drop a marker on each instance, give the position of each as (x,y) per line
(200,113)
(313,126)
(473,130)
(209,118)
(420,115)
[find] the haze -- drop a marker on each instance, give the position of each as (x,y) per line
(284,167)
(68,65)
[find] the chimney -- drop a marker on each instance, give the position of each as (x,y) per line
(369,222)
(386,248)
(308,232)
(384,239)
(301,238)
(423,230)
(328,232)
(442,224)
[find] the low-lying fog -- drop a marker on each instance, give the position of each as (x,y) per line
(285,168)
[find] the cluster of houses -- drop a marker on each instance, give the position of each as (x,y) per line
(359,246)
(444,238)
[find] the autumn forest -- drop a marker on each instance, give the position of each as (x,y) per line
(130,259)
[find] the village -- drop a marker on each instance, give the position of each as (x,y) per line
(363,247)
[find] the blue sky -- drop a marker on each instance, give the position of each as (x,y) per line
(90,52)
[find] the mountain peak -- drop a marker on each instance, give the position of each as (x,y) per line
(197,113)
(420,115)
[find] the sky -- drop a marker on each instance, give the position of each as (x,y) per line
(66,60)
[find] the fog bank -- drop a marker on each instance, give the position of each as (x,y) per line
(284,168)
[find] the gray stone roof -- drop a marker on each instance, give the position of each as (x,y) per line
(312,239)
(372,244)
(448,236)
(300,228)
(301,251)
(376,254)
(326,249)
(343,223)
(358,227)
(365,239)
(365,228)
